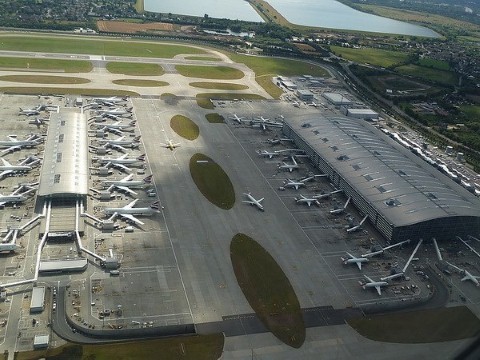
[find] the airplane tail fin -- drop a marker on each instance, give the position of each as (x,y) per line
(155,205)
(148,179)
(141,157)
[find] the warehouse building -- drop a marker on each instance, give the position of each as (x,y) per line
(403,196)
(305,95)
(337,99)
(37,303)
(365,114)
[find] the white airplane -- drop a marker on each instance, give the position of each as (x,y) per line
(326,195)
(110,101)
(121,141)
(304,200)
(12,144)
(120,125)
(276,141)
(170,145)
(296,184)
(357,227)
(288,167)
(128,212)
(266,153)
(30,112)
(254,202)
(341,209)
(313,103)
(296,104)
(237,118)
(128,182)
(264,123)
(17,196)
(25,165)
(354,260)
(124,159)
(114,116)
(466,275)
(374,284)
(38,121)
(116,111)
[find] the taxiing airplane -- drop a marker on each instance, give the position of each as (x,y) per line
(341,209)
(237,118)
(13,144)
(254,202)
(304,200)
(128,212)
(466,274)
(170,145)
(357,227)
(288,167)
(374,284)
(354,260)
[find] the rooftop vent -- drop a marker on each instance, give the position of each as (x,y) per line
(392,202)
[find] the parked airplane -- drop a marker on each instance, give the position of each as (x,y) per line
(12,144)
(17,196)
(120,125)
(128,182)
(116,111)
(296,183)
(170,145)
(254,202)
(129,211)
(341,209)
(38,121)
(267,153)
(296,104)
(313,103)
(374,284)
(276,141)
(121,141)
(354,260)
(304,200)
(466,274)
(115,117)
(124,159)
(30,112)
(357,227)
(23,166)
(326,195)
(237,118)
(289,167)
(264,123)
(110,101)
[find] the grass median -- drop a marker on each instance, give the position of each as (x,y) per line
(140,82)
(44,79)
(209,72)
(134,69)
(53,65)
(184,127)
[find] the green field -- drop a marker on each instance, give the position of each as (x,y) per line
(376,57)
(135,69)
(201,347)
(434,64)
(212,181)
(65,91)
(97,46)
(204,99)
(44,79)
(215,118)
(68,66)
(184,127)
(422,326)
(267,67)
(429,74)
(140,82)
(267,290)
(209,72)
(202,58)
(218,85)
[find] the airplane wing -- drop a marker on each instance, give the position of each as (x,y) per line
(11,149)
(131,205)
(5,162)
(131,218)
(379,290)
(114,130)
(127,178)
(350,255)
(121,167)
(248,202)
(5,173)
(2,203)
(117,147)
(259,201)
(126,189)
(359,264)
(369,279)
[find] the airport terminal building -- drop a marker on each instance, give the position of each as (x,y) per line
(403,196)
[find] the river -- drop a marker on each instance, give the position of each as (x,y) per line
(320,13)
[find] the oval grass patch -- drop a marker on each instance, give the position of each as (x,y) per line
(184,127)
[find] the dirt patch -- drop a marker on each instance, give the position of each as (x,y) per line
(132,28)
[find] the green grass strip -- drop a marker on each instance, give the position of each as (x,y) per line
(65,91)
(215,118)
(218,86)
(212,181)
(140,82)
(184,127)
(209,72)
(68,66)
(135,69)
(44,79)
(268,290)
